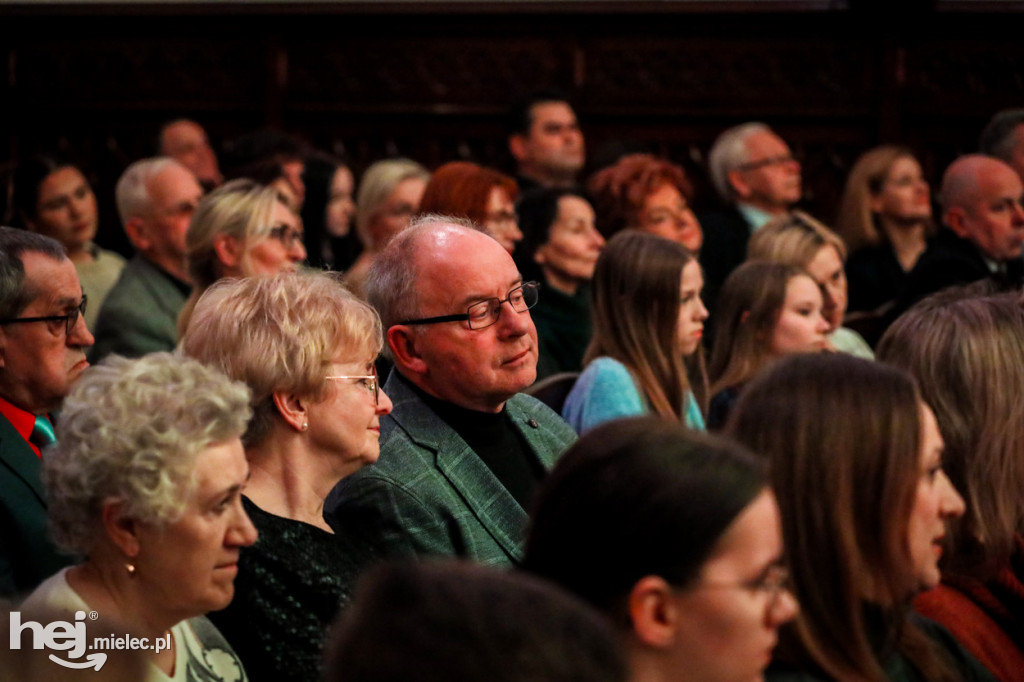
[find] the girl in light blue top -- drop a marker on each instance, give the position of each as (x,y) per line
(645,356)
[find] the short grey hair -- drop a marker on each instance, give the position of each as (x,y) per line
(728,153)
(376,185)
(130,430)
(132,190)
(14,298)
(391,282)
(997,137)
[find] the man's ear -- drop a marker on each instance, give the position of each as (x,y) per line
(653,611)
(122,529)
(137,233)
(956,219)
(292,409)
(738,183)
(402,342)
(228,250)
(517,146)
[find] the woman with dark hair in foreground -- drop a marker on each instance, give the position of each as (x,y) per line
(675,536)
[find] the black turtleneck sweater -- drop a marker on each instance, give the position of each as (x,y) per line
(497,442)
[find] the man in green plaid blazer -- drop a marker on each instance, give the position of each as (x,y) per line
(462,451)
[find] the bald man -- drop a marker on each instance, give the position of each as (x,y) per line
(982,234)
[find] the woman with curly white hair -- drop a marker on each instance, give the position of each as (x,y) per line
(146,483)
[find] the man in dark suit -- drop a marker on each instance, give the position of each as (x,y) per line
(462,451)
(758,178)
(156,199)
(983,231)
(42,353)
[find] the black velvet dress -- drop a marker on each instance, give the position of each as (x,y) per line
(290,587)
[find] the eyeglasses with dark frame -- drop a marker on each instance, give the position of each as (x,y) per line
(69,319)
(369,381)
(483,314)
(286,234)
(777,160)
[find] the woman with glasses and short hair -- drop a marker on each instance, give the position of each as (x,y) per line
(675,536)
(305,345)
(856,462)
(643,192)
(241,229)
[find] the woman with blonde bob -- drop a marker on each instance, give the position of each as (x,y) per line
(145,483)
(967,355)
(645,356)
(766,311)
(241,229)
(885,217)
(390,193)
(305,346)
(855,462)
(798,239)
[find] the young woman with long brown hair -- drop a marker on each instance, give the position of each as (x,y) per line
(648,322)
(856,463)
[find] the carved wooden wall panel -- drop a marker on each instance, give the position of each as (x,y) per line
(435,87)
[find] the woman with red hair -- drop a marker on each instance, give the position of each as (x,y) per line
(483,195)
(649,194)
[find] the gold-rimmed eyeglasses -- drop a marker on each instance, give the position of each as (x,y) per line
(369,382)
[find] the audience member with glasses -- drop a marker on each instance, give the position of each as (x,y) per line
(643,192)
(241,229)
(757,177)
(865,506)
(675,536)
(43,338)
(305,346)
(463,451)
(646,355)
(483,195)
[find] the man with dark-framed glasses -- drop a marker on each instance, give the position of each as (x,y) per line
(463,450)
(43,338)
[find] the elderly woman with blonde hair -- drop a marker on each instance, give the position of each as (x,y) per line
(241,229)
(146,483)
(305,346)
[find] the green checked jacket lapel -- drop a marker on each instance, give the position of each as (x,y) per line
(430,494)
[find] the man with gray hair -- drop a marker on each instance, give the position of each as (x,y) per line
(758,178)
(43,338)
(463,450)
(982,235)
(155,198)
(1003,138)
